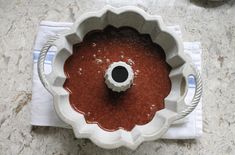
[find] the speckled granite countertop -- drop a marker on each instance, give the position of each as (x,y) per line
(212,24)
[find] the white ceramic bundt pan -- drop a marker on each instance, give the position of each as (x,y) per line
(175,107)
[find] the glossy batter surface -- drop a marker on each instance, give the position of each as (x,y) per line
(89,95)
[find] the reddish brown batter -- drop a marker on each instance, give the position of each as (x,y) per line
(89,94)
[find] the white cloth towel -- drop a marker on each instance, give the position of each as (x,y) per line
(43,112)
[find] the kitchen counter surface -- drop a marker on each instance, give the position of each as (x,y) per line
(211,23)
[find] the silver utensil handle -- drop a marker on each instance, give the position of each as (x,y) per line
(41,61)
(197,95)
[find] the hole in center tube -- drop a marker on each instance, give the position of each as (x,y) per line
(119,74)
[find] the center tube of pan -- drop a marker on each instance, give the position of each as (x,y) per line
(119,76)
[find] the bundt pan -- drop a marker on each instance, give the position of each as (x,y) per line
(175,107)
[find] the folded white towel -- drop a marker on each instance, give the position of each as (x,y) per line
(43,112)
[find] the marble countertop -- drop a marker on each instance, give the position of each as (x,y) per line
(211,23)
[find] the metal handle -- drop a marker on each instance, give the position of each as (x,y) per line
(41,60)
(197,94)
